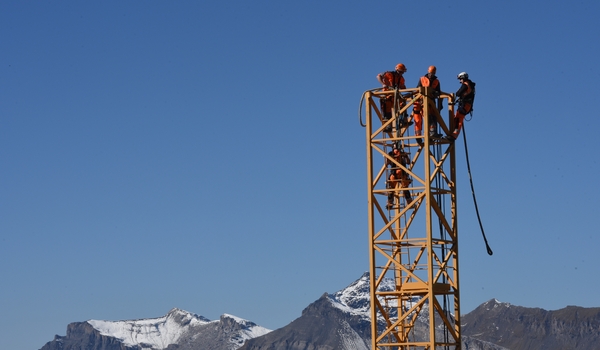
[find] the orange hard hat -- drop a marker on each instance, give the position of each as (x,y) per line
(401,67)
(432,69)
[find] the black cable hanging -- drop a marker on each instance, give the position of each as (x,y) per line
(489,250)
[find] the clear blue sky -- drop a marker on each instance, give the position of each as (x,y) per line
(208,155)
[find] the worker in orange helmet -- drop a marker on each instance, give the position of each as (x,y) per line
(429,79)
(398,176)
(465,96)
(391,80)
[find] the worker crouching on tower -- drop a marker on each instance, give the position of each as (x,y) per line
(397,175)
(465,96)
(390,80)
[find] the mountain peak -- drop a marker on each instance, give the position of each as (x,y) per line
(241,329)
(155,332)
(177,310)
(356,298)
(239,320)
(185,317)
(494,303)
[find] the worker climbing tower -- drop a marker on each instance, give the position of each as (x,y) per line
(413,228)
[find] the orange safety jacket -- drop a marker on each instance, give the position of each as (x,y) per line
(393,79)
(425,81)
(433,82)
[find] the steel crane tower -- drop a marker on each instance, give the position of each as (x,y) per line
(413,244)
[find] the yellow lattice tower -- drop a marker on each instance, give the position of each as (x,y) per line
(414,243)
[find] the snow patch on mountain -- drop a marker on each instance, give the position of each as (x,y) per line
(355,299)
(249,330)
(494,303)
(159,333)
(155,333)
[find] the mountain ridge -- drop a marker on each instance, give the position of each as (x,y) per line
(518,327)
(177,329)
(338,321)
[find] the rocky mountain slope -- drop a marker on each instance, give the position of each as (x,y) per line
(521,328)
(339,321)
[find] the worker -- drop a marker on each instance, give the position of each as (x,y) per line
(391,80)
(398,175)
(428,80)
(465,96)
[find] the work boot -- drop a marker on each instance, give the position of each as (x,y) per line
(420,141)
(385,120)
(434,134)
(404,123)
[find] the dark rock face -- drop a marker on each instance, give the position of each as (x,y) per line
(520,328)
(222,335)
(321,327)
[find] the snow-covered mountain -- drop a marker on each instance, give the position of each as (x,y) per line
(355,299)
(339,321)
(156,333)
(177,329)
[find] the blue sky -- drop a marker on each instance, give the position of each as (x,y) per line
(208,156)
